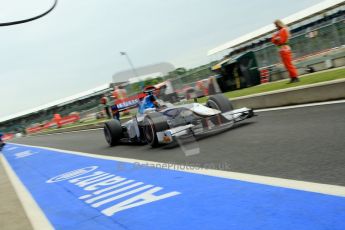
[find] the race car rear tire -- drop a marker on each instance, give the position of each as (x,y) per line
(219,102)
(153,123)
(113,132)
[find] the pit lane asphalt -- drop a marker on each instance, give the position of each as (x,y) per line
(301,144)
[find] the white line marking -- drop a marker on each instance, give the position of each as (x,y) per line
(300,106)
(75,131)
(34,213)
(273,181)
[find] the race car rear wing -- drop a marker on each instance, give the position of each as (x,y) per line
(128,102)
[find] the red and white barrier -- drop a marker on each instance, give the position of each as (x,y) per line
(7,137)
(70,119)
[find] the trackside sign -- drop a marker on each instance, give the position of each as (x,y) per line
(105,188)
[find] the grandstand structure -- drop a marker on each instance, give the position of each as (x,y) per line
(80,102)
(314,30)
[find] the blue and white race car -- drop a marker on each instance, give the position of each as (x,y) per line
(158,123)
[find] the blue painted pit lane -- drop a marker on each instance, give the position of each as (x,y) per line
(81,192)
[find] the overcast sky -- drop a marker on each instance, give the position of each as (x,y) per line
(76,47)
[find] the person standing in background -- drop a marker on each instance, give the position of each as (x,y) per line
(105,102)
(281,40)
(120,94)
(57,119)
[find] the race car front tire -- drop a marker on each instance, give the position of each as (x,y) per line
(153,123)
(219,102)
(113,132)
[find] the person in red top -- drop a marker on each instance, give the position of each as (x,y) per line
(57,119)
(281,40)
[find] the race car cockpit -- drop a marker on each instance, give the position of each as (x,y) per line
(150,102)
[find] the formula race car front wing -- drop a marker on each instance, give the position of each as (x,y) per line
(205,125)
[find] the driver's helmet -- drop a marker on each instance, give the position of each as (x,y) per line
(149,101)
